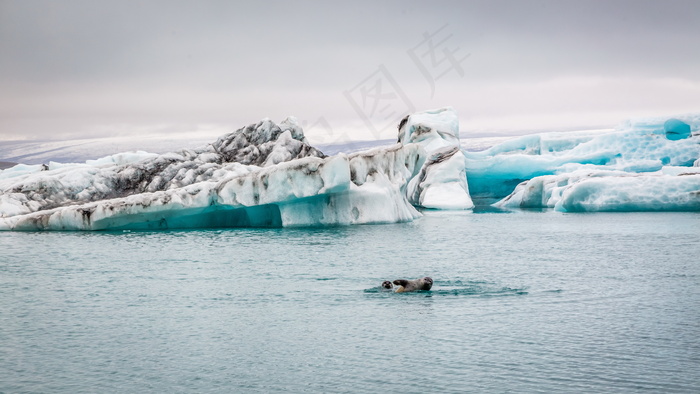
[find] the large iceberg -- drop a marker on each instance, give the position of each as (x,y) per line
(261,175)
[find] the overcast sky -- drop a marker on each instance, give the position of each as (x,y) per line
(348,69)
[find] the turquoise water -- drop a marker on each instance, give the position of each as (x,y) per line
(522,302)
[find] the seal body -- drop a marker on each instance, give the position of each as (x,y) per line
(405,286)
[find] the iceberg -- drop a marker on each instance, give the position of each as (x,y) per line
(635,147)
(262,175)
(268,175)
(643,166)
(670,189)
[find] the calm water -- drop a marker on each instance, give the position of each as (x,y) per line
(522,302)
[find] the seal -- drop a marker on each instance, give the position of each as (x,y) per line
(387,285)
(405,286)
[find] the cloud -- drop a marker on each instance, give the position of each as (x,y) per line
(84,68)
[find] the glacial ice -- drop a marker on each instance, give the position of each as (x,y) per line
(27,189)
(639,167)
(267,175)
(636,147)
(442,182)
(676,129)
(669,189)
(261,175)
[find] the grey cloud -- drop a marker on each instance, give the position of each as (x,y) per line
(72,66)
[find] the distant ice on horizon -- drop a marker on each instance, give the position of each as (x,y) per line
(83,149)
